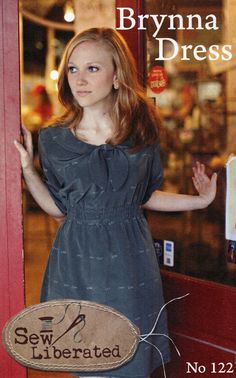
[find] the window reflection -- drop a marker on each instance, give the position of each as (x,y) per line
(193,111)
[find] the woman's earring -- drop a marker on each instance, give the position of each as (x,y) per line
(116,85)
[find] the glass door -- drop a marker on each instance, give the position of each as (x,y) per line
(183,79)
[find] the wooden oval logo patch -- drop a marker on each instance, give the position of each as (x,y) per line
(70,335)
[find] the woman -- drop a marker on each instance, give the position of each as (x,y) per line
(102,167)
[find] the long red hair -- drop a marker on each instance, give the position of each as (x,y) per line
(133,114)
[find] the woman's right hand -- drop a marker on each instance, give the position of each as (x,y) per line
(26,150)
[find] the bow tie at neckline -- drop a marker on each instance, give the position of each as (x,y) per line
(108,164)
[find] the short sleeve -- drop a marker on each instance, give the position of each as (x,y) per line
(50,178)
(155,175)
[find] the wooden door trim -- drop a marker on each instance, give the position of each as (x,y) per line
(11,256)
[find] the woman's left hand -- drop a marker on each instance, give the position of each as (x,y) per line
(205,186)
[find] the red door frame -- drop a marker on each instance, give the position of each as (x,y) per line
(12,287)
(203,324)
(133,37)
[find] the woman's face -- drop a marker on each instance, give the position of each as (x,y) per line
(91,75)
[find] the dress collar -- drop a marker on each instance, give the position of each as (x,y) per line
(115,173)
(65,138)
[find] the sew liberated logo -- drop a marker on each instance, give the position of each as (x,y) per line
(71,335)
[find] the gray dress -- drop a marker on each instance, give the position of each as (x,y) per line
(103,251)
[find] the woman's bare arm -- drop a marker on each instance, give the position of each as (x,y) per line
(206,187)
(36,186)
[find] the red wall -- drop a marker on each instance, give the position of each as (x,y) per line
(11,278)
(202,325)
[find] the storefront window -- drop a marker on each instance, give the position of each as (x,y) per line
(190,92)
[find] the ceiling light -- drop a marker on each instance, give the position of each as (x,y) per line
(69,14)
(54,74)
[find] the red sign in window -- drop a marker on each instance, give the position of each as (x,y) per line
(157,79)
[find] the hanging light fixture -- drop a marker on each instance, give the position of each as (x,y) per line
(54,74)
(69,14)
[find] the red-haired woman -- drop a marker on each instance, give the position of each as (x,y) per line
(102,167)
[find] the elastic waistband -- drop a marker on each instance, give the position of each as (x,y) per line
(105,214)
